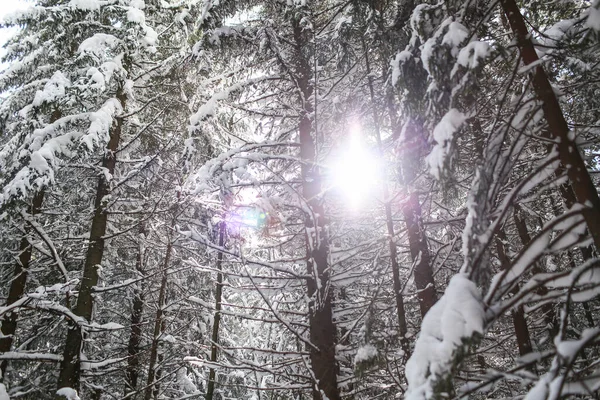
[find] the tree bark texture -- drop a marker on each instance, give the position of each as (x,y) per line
(70,369)
(158,325)
(135,338)
(322,328)
(549,314)
(409,158)
(581,181)
(217,317)
(419,251)
(518,314)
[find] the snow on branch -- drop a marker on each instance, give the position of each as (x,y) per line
(45,145)
(208,109)
(593,16)
(447,330)
(30,356)
(443,134)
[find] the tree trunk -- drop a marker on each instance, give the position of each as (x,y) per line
(548,310)
(322,328)
(581,182)
(158,324)
(217,318)
(17,285)
(419,251)
(519,321)
(135,339)
(409,159)
(70,369)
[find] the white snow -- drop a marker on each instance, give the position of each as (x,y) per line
(400,58)
(151,37)
(109,326)
(100,123)
(471,55)
(539,391)
(456,34)
(54,89)
(208,109)
(98,44)
(593,17)
(457,315)
(185,383)
(3,394)
(557,31)
(69,393)
(44,145)
(97,81)
(141,4)
(365,353)
(569,349)
(587,274)
(87,5)
(443,134)
(32,356)
(136,15)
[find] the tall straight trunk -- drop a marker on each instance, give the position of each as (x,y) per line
(70,368)
(389,222)
(558,130)
(151,383)
(217,318)
(17,285)
(409,159)
(321,325)
(518,315)
(549,314)
(135,338)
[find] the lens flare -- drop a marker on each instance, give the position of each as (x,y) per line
(355,171)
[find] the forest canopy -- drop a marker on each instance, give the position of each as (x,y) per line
(300,199)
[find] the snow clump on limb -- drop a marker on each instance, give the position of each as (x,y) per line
(443,134)
(3,393)
(458,315)
(365,353)
(68,393)
(593,16)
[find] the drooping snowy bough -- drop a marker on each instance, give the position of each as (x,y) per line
(454,323)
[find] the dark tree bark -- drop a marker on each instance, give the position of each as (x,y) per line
(549,314)
(151,383)
(409,159)
(217,317)
(419,251)
(135,338)
(558,130)
(17,285)
(70,368)
(518,314)
(322,328)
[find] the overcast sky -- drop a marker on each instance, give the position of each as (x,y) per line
(7,7)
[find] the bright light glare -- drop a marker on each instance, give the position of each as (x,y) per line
(356,171)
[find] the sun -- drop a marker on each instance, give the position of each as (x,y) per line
(355,170)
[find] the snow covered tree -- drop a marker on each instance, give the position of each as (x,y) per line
(266,199)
